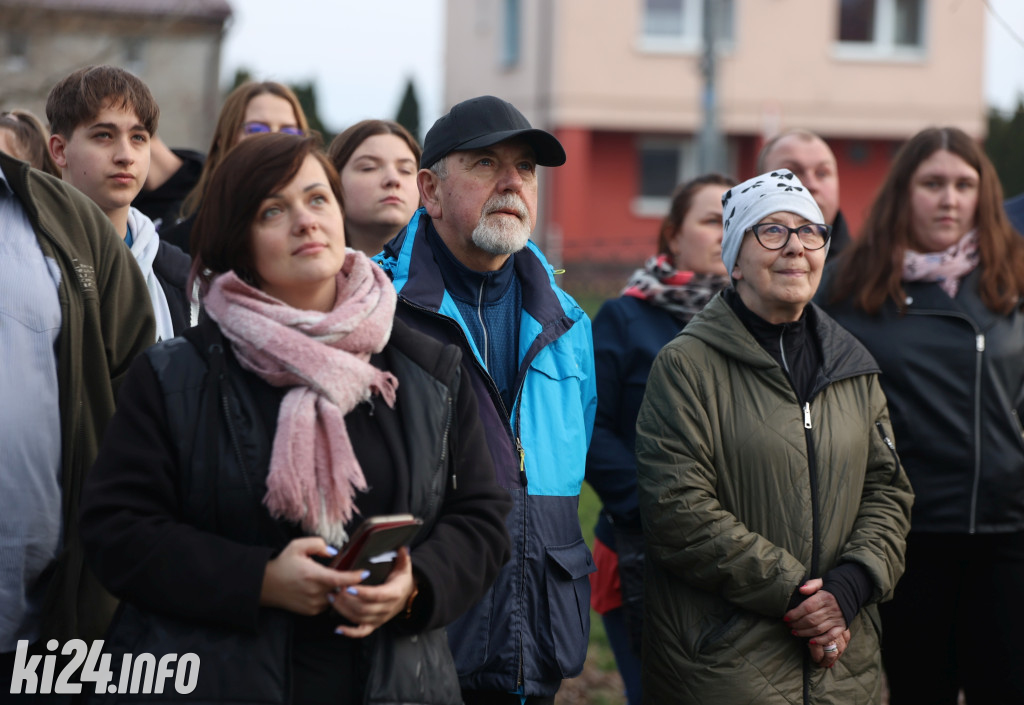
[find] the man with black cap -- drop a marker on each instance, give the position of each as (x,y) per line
(467,273)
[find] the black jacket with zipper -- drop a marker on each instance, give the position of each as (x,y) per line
(953,372)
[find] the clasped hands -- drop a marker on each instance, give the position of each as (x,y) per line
(295,582)
(819,619)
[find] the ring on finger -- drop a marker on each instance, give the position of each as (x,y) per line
(830,648)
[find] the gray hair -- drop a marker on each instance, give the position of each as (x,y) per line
(440,168)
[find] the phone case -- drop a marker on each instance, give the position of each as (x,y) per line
(374,544)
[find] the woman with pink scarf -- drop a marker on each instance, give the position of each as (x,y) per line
(244,454)
(933,288)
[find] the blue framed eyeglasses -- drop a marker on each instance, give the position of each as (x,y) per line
(774,236)
(262,128)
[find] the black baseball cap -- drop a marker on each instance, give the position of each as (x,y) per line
(481,122)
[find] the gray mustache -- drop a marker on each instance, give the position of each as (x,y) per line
(507,201)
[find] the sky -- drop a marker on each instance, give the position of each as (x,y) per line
(360,53)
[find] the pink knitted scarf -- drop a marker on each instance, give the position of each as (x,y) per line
(324,358)
(947,267)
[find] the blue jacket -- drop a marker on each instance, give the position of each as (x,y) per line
(531,629)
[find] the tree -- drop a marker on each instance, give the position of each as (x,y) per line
(307,99)
(1004,145)
(409,111)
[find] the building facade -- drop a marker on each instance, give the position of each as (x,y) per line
(621,83)
(172,45)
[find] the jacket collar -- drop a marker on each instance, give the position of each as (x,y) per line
(416,271)
(720,328)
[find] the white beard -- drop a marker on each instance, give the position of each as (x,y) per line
(502,235)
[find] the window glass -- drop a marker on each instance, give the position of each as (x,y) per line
(856,20)
(908,22)
(660,166)
(663,18)
(510,40)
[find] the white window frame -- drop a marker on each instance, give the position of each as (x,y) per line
(884,47)
(691,42)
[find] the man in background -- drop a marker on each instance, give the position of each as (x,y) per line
(809,157)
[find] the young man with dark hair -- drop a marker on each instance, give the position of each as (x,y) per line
(102,120)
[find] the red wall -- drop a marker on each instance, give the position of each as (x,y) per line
(592,193)
(593,205)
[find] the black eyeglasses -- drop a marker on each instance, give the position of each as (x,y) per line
(774,236)
(260,128)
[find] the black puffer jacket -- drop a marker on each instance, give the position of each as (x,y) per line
(953,372)
(181,535)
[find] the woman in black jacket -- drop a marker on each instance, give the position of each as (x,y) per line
(245,453)
(933,288)
(657,301)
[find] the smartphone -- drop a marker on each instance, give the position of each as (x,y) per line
(374,545)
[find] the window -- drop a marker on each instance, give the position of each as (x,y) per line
(678,25)
(662,165)
(511,33)
(883,28)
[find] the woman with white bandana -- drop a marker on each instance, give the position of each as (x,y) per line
(245,453)
(774,507)
(933,288)
(657,301)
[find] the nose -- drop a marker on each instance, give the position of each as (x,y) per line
(390,177)
(124,154)
(794,246)
(948,197)
(303,220)
(510,180)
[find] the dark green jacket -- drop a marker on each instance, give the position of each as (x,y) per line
(106,320)
(743,496)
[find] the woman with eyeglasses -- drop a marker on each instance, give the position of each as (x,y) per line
(253,108)
(934,289)
(774,507)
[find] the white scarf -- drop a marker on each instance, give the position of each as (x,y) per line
(145,243)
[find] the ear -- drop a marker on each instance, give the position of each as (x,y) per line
(58,148)
(736,273)
(429,185)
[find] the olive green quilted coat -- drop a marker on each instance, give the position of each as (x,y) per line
(736,516)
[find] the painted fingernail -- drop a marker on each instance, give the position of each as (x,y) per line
(812,641)
(340,630)
(351,590)
(364,575)
(785,619)
(331,551)
(330,597)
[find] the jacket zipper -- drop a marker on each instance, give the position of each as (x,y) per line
(444,456)
(892,449)
(979,346)
(979,357)
(234,436)
(483,326)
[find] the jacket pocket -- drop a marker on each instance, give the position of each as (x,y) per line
(568,591)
